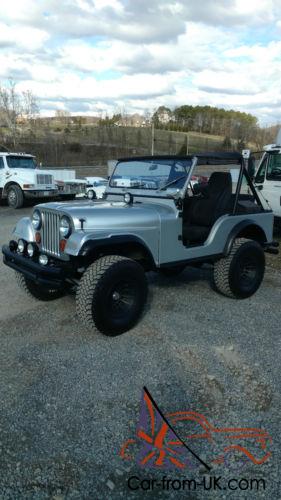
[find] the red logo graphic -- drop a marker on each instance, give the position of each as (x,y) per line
(158,445)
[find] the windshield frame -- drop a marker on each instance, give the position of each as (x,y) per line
(170,192)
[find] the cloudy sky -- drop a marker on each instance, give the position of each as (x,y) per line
(97,56)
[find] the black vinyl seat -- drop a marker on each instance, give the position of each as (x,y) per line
(200,212)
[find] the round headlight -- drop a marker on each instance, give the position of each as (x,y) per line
(65,227)
(31,249)
(21,246)
(128,198)
(36,220)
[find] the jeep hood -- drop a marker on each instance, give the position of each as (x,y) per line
(110,216)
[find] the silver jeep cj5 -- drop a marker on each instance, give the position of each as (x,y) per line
(155,217)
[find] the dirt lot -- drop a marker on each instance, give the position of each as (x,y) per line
(70,397)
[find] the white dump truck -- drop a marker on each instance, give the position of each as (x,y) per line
(268,177)
(21,179)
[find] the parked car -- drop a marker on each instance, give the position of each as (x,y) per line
(104,249)
(95,187)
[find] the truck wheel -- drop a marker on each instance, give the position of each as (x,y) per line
(240,274)
(112,294)
(91,194)
(37,291)
(15,197)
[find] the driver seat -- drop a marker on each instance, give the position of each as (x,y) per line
(201,212)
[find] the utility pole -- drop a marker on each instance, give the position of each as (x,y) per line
(187,144)
(152,138)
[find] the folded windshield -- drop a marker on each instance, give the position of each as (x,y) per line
(151,174)
(20,162)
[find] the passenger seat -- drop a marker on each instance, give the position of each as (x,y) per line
(200,213)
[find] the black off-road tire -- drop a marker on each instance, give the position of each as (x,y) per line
(36,291)
(240,274)
(15,198)
(112,294)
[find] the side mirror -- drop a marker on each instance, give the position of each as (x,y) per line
(260,187)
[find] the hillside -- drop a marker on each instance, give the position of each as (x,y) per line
(93,146)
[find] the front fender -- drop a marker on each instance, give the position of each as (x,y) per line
(24,229)
(80,242)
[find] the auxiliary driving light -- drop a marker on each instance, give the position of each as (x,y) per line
(31,249)
(43,260)
(21,246)
(128,198)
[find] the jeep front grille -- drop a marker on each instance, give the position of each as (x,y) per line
(44,179)
(50,235)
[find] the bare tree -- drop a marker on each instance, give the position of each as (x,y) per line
(63,116)
(11,108)
(30,105)
(15,105)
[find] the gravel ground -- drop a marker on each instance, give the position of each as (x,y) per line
(70,397)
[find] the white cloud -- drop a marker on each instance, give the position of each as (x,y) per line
(261,10)
(23,38)
(191,52)
(99,54)
(69,87)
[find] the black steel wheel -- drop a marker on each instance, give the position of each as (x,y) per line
(240,274)
(112,294)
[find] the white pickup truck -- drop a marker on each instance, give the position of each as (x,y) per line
(21,179)
(268,177)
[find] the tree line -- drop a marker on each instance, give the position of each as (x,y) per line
(20,111)
(235,126)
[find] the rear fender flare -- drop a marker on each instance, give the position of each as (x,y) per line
(246,229)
